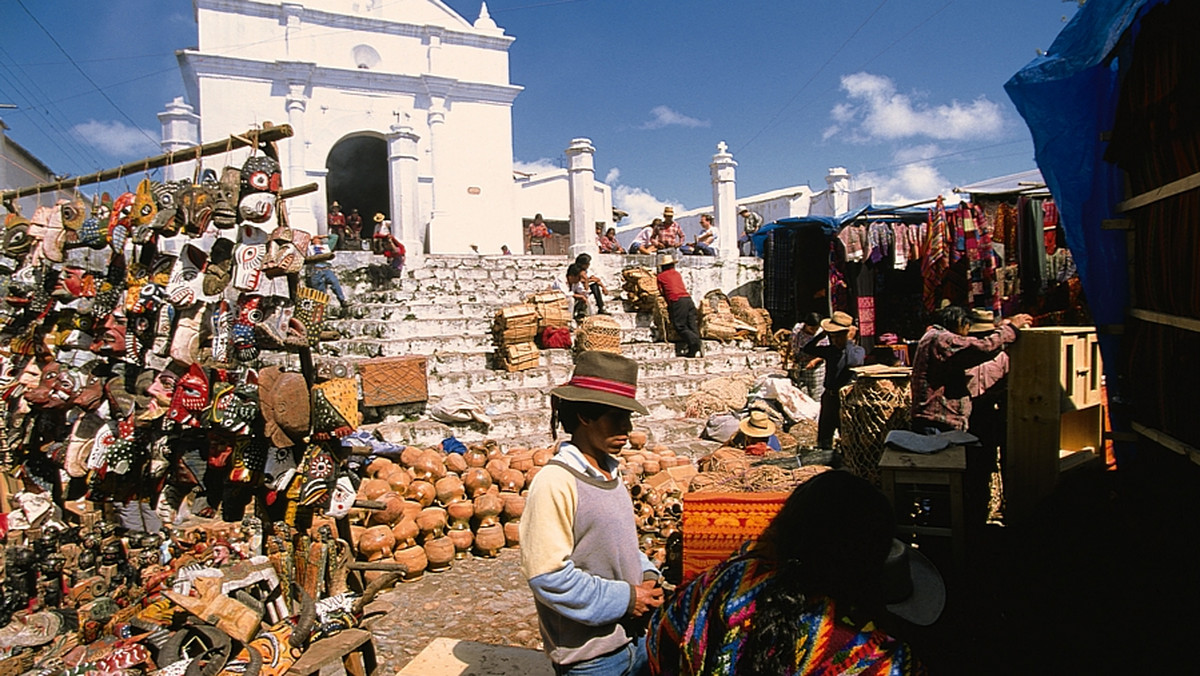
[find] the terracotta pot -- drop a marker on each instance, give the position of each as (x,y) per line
(413,557)
(667,528)
(424,466)
(511,481)
(651,467)
(658,448)
(522,461)
(493,449)
(635,468)
(512,534)
(672,507)
(371,489)
(379,467)
(438,460)
(514,506)
(667,453)
(489,540)
(643,510)
(532,473)
(376,543)
(410,509)
(355,533)
(455,462)
(477,481)
(637,439)
(440,552)
(409,455)
(423,492)
(497,467)
(459,514)
(462,539)
(487,508)
(450,490)
(406,531)
(476,456)
(393,509)
(432,522)
(542,456)
(399,479)
(638,458)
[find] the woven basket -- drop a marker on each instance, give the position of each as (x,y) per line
(393,380)
(599,332)
(871,407)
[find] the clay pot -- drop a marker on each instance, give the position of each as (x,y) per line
(423,492)
(487,508)
(406,531)
(542,456)
(476,456)
(532,473)
(631,458)
(489,540)
(497,467)
(379,467)
(398,478)
(415,559)
(371,489)
(667,453)
(658,448)
(409,455)
(511,481)
(440,552)
(667,528)
(651,467)
(459,514)
(462,539)
(512,534)
(635,469)
(432,522)
(410,509)
(522,461)
(672,507)
(356,533)
(438,457)
(455,462)
(477,481)
(637,439)
(376,543)
(450,490)
(493,449)
(393,509)
(423,467)
(643,510)
(514,506)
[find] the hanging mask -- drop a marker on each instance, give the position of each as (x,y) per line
(195,208)
(249,314)
(17,241)
(63,390)
(310,310)
(39,395)
(163,387)
(118,221)
(285,252)
(91,394)
(190,398)
(249,458)
(258,207)
(225,212)
(110,340)
(234,408)
(335,409)
(318,471)
(259,174)
(222,332)
(144,208)
(74,213)
(186,285)
(247,268)
(219,270)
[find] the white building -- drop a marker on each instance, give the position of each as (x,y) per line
(401,107)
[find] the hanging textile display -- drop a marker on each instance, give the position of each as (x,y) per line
(936,259)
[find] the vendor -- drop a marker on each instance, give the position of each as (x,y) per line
(756,434)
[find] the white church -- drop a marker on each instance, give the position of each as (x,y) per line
(400,107)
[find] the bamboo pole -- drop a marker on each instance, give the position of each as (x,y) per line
(253,137)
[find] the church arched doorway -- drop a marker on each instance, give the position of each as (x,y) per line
(358,176)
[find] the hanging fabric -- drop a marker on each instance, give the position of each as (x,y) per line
(936,257)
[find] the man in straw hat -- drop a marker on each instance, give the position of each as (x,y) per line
(834,343)
(680,307)
(592,585)
(808,597)
(941,399)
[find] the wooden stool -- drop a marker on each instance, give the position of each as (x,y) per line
(944,468)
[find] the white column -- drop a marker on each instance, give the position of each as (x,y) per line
(439,221)
(405,198)
(300,214)
(838,180)
(581,180)
(180,130)
(724,187)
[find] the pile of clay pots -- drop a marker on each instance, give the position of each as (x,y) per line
(657,493)
(436,507)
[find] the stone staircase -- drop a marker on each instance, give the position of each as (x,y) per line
(444,310)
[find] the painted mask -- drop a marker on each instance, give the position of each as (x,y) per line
(39,394)
(259,174)
(225,212)
(118,221)
(195,208)
(222,332)
(144,208)
(249,314)
(163,387)
(234,408)
(190,398)
(247,266)
(17,241)
(185,287)
(73,214)
(110,340)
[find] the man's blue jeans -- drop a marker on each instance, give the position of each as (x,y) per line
(628,661)
(323,279)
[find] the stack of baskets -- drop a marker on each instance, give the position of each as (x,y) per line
(514,330)
(717,321)
(598,332)
(757,317)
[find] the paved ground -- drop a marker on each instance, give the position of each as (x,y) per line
(485,600)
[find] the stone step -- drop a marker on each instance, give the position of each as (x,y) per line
(389,345)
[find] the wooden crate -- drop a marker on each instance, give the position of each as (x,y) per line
(393,380)
(519,357)
(552,308)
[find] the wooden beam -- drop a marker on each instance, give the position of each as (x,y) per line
(1185,323)
(1167,441)
(1116,224)
(251,137)
(1173,188)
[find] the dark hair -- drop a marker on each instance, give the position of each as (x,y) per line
(831,538)
(574,269)
(952,317)
(812,319)
(583,260)
(569,413)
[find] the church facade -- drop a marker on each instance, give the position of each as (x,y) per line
(399,107)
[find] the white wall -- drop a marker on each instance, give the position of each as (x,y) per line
(548,193)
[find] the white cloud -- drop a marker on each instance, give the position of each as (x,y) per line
(116,138)
(917,179)
(537,166)
(641,206)
(875,110)
(665,117)
(612,176)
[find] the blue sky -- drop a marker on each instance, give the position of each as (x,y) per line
(906,94)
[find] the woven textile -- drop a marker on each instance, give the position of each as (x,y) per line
(714,525)
(871,407)
(937,256)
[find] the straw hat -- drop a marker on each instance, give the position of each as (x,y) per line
(668,211)
(839,322)
(982,321)
(757,425)
(379,217)
(603,378)
(667,259)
